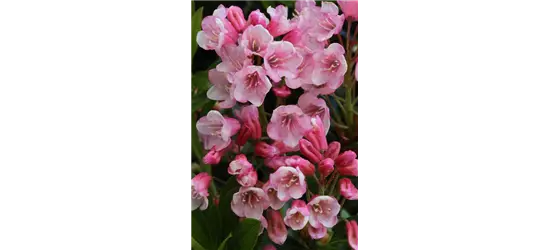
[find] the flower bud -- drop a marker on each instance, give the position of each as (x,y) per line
(347,164)
(305,166)
(317,233)
(347,189)
(282,91)
(309,151)
(237,19)
(349,8)
(212,157)
(238,165)
(258,18)
(317,135)
(325,167)
(276,229)
(262,149)
(247,178)
(333,150)
(352,234)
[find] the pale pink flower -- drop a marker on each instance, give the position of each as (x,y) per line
(279,24)
(276,229)
(288,124)
(233,59)
(247,177)
(347,189)
(275,162)
(346,163)
(333,150)
(251,84)
(237,19)
(262,149)
(251,127)
(330,65)
(264,224)
(325,167)
(238,165)
(301,4)
(349,8)
(216,31)
(324,210)
(283,148)
(255,40)
(324,89)
(290,183)
(305,166)
(257,17)
(249,202)
(322,22)
(216,130)
(281,59)
(317,232)
(199,191)
(270,189)
(303,40)
(303,73)
(297,216)
(309,151)
(352,234)
(220,89)
(314,106)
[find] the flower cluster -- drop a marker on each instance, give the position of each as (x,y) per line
(282,54)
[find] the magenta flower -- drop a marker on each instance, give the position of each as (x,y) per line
(255,40)
(251,84)
(269,247)
(213,156)
(309,151)
(322,22)
(262,149)
(216,130)
(303,73)
(238,165)
(281,59)
(270,189)
(288,124)
(233,59)
(199,191)
(313,106)
(282,91)
(276,229)
(352,234)
(297,216)
(220,89)
(325,167)
(216,31)
(249,202)
(324,210)
(317,135)
(317,232)
(289,182)
(330,65)
(247,177)
(346,163)
(349,8)
(279,24)
(333,150)
(347,189)
(237,19)
(251,127)
(257,17)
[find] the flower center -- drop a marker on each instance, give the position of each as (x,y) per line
(252,80)
(293,181)
(327,24)
(255,46)
(273,61)
(317,208)
(250,198)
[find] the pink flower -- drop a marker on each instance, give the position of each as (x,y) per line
(301,4)
(251,84)
(297,216)
(283,148)
(276,230)
(306,167)
(282,91)
(216,130)
(199,191)
(333,150)
(237,19)
(289,182)
(324,210)
(247,177)
(317,232)
(257,17)
(264,224)
(303,73)
(325,88)
(281,59)
(317,135)
(330,65)
(288,124)
(303,40)
(352,233)
(322,22)
(269,247)
(255,40)
(313,106)
(249,202)
(220,89)
(239,164)
(251,127)
(262,149)
(279,24)
(216,31)
(356,70)
(325,167)
(213,156)
(275,162)
(233,59)
(349,8)
(346,163)
(309,151)
(270,189)
(347,189)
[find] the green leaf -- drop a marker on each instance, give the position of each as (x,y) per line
(200,82)
(195,27)
(228,218)
(201,103)
(245,234)
(195,143)
(199,229)
(224,243)
(196,245)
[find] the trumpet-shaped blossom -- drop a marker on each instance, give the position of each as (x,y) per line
(220,89)
(237,19)
(279,24)
(330,65)
(199,191)
(314,106)
(233,59)
(322,22)
(289,182)
(251,128)
(333,150)
(349,8)
(216,31)
(281,59)
(288,124)
(257,17)
(301,4)
(303,40)
(306,167)
(352,234)
(347,189)
(317,232)
(251,84)
(303,73)
(255,40)
(297,216)
(247,177)
(249,202)
(239,165)
(276,229)
(325,167)
(346,163)
(216,130)
(270,189)
(324,210)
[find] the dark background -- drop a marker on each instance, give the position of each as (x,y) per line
(453,125)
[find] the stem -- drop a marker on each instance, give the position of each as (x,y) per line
(336,115)
(263,117)
(342,202)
